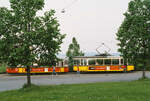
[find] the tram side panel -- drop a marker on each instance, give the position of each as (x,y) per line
(130,68)
(103,68)
(81,68)
(37,70)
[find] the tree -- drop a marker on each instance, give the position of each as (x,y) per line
(134,33)
(73,50)
(26,38)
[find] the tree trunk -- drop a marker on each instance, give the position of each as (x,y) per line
(144,73)
(28,30)
(28,76)
(144,63)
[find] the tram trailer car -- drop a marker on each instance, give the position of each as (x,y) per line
(21,70)
(101,64)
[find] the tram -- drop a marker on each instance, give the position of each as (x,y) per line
(61,67)
(81,64)
(101,63)
(21,70)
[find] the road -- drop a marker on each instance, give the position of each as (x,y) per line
(9,82)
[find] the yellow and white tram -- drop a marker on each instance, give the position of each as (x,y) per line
(100,63)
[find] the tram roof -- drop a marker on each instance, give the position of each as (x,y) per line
(97,57)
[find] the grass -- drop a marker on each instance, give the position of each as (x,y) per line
(2,68)
(116,91)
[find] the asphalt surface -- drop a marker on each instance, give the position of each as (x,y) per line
(10,82)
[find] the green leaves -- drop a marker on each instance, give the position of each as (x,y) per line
(26,37)
(73,50)
(134,32)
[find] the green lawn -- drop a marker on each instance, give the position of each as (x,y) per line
(117,91)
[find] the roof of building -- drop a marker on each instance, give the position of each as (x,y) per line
(97,57)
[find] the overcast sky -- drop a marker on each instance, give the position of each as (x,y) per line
(92,22)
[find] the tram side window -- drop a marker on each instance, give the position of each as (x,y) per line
(76,62)
(82,62)
(100,61)
(107,61)
(85,62)
(122,61)
(91,62)
(115,61)
(65,63)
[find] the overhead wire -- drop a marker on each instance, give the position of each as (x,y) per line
(68,6)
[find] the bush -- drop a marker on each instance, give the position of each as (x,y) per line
(3,68)
(139,67)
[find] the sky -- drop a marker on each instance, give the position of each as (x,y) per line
(91,22)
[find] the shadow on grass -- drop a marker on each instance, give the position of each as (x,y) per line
(26,88)
(143,79)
